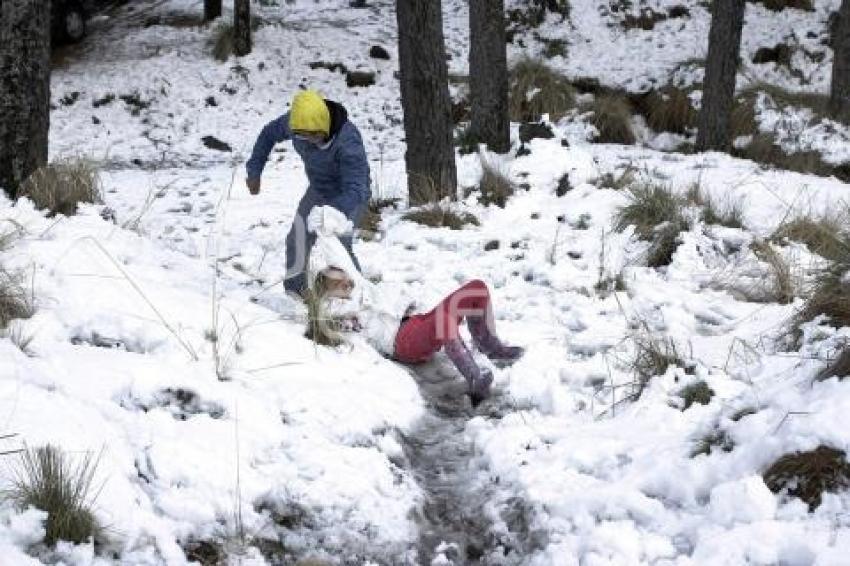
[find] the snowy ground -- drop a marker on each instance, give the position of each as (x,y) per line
(163,339)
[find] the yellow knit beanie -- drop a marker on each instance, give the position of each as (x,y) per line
(309,113)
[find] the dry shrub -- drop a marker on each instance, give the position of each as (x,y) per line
(646,20)
(808,475)
(779,5)
(697,393)
(438,215)
(669,110)
(47,479)
(495,187)
(822,235)
(62,185)
(839,367)
(222,41)
(779,288)
(536,89)
(612,118)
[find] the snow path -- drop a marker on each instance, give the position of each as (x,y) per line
(452,528)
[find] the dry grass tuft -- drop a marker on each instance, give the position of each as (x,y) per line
(779,287)
(697,393)
(839,367)
(729,213)
(612,118)
(321,328)
(808,475)
(536,89)
(47,479)
(830,296)
(763,149)
(609,180)
(669,110)
(15,301)
(653,355)
(438,215)
(715,440)
(658,217)
(495,186)
(62,185)
(822,235)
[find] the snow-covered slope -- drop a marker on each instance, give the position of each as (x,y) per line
(163,340)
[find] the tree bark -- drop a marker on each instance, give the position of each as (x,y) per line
(241,27)
(430,156)
(721,68)
(839,92)
(24,89)
(488,74)
(212,9)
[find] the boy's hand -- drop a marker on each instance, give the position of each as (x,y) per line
(253,186)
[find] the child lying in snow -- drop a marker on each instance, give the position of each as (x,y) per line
(399,333)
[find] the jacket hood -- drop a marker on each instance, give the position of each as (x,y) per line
(339,116)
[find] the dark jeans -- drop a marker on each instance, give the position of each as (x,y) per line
(299,241)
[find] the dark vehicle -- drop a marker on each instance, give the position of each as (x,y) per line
(68,21)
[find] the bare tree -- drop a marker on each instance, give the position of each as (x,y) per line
(212,9)
(430,156)
(488,74)
(839,92)
(241,27)
(24,89)
(721,68)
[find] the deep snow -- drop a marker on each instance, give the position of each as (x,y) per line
(261,441)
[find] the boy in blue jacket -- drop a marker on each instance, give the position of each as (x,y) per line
(337,170)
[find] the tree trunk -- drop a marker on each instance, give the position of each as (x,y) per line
(839,92)
(721,68)
(241,27)
(24,89)
(430,156)
(488,74)
(212,9)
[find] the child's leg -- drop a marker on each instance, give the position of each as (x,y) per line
(423,335)
(478,309)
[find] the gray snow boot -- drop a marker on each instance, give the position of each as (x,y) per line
(479,380)
(489,344)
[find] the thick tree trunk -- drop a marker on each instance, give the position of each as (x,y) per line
(430,156)
(488,74)
(721,68)
(212,9)
(24,89)
(241,27)
(839,92)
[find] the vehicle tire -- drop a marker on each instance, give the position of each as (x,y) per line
(73,24)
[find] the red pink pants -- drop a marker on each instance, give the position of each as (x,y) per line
(422,335)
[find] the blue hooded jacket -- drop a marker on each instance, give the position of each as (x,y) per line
(338,171)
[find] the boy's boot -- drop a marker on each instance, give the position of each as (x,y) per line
(479,380)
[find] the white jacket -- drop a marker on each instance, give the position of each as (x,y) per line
(378,311)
